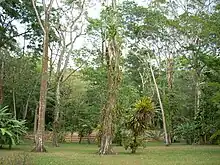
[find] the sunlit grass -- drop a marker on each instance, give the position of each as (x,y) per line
(153,154)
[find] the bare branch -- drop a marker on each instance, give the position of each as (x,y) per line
(80,14)
(49,7)
(44,5)
(73,72)
(38,17)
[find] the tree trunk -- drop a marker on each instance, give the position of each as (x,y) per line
(107,127)
(170,72)
(27,102)
(71,137)
(43,91)
(112,56)
(134,147)
(170,88)
(197,73)
(26,108)
(88,139)
(161,105)
(55,134)
(197,94)
(1,83)
(80,139)
(35,122)
(14,103)
(103,34)
(56,116)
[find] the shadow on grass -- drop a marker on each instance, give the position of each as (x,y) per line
(4,148)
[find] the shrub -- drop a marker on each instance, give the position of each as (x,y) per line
(11,130)
(216,137)
(137,123)
(187,131)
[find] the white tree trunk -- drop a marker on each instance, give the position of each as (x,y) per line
(161,104)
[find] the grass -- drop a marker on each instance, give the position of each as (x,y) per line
(153,154)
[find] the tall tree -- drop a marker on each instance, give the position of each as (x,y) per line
(1,82)
(68,34)
(112,55)
(39,145)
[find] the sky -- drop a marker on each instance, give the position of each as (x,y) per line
(93,11)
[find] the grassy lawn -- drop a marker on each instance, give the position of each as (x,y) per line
(153,154)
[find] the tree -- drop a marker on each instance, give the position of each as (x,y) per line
(137,123)
(12,12)
(1,83)
(112,55)
(39,147)
(148,38)
(66,45)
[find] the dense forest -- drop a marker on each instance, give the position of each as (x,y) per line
(135,71)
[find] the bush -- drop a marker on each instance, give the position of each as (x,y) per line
(11,130)
(137,123)
(129,141)
(216,137)
(187,131)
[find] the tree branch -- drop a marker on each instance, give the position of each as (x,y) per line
(49,6)
(38,17)
(73,72)
(74,21)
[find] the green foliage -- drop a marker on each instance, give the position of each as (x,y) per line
(145,105)
(80,104)
(216,136)
(190,37)
(137,123)
(11,130)
(155,134)
(187,131)
(132,142)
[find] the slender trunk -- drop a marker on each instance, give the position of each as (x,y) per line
(170,87)
(35,122)
(143,82)
(26,108)
(59,75)
(170,73)
(80,139)
(43,91)
(1,83)
(56,116)
(71,137)
(197,72)
(55,138)
(14,103)
(134,147)
(88,139)
(161,105)
(27,102)
(197,94)
(103,33)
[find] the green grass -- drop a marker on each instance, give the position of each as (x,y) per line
(153,154)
